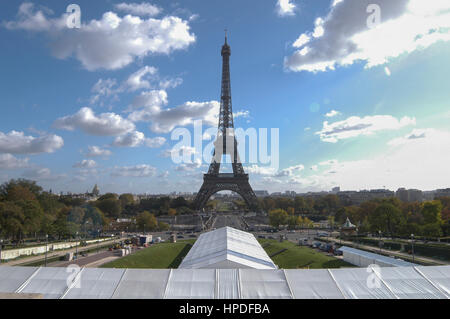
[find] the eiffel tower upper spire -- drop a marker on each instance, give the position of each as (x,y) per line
(226,109)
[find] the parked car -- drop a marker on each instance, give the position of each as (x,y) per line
(180,236)
(193,236)
(261,236)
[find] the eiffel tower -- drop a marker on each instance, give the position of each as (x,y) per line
(214,181)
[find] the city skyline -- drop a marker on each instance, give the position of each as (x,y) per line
(91,105)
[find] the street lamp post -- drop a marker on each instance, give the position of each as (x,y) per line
(379,243)
(98,239)
(46,248)
(412,245)
(1,246)
(76,247)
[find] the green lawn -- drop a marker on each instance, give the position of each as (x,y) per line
(159,256)
(169,255)
(299,256)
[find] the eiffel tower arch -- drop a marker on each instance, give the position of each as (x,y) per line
(226,143)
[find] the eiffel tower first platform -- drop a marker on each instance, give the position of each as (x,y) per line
(214,181)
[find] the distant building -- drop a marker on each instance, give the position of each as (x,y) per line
(336,190)
(95,191)
(402,194)
(428,195)
(410,195)
(261,193)
(276,194)
(415,195)
(290,193)
(357,198)
(442,193)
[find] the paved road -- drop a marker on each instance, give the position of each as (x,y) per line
(228,220)
(84,261)
(26,260)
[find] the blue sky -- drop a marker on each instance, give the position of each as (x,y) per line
(358,106)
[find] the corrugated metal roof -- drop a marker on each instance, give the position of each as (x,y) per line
(374,258)
(349,283)
(227,247)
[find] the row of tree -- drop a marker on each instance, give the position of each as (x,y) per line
(390,216)
(26,211)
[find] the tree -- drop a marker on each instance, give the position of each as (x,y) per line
(172,212)
(76,215)
(431,212)
(277,217)
(110,206)
(432,230)
(11,219)
(331,221)
(33,215)
(386,218)
(290,211)
(179,202)
(17,189)
(163,226)
(299,204)
(126,199)
(108,196)
(292,221)
(147,221)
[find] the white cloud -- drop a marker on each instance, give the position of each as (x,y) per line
(104,88)
(164,174)
(270,171)
(105,124)
(143,170)
(42,174)
(301,41)
(290,171)
(285,8)
(182,151)
(85,164)
(9,162)
(189,166)
(415,134)
(243,113)
(155,142)
(95,151)
(18,143)
(170,83)
(112,42)
(150,102)
(137,81)
(136,138)
(344,37)
(417,160)
(333,113)
(139,9)
(355,126)
(131,139)
(165,120)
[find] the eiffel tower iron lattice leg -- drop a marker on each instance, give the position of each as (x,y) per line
(237,181)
